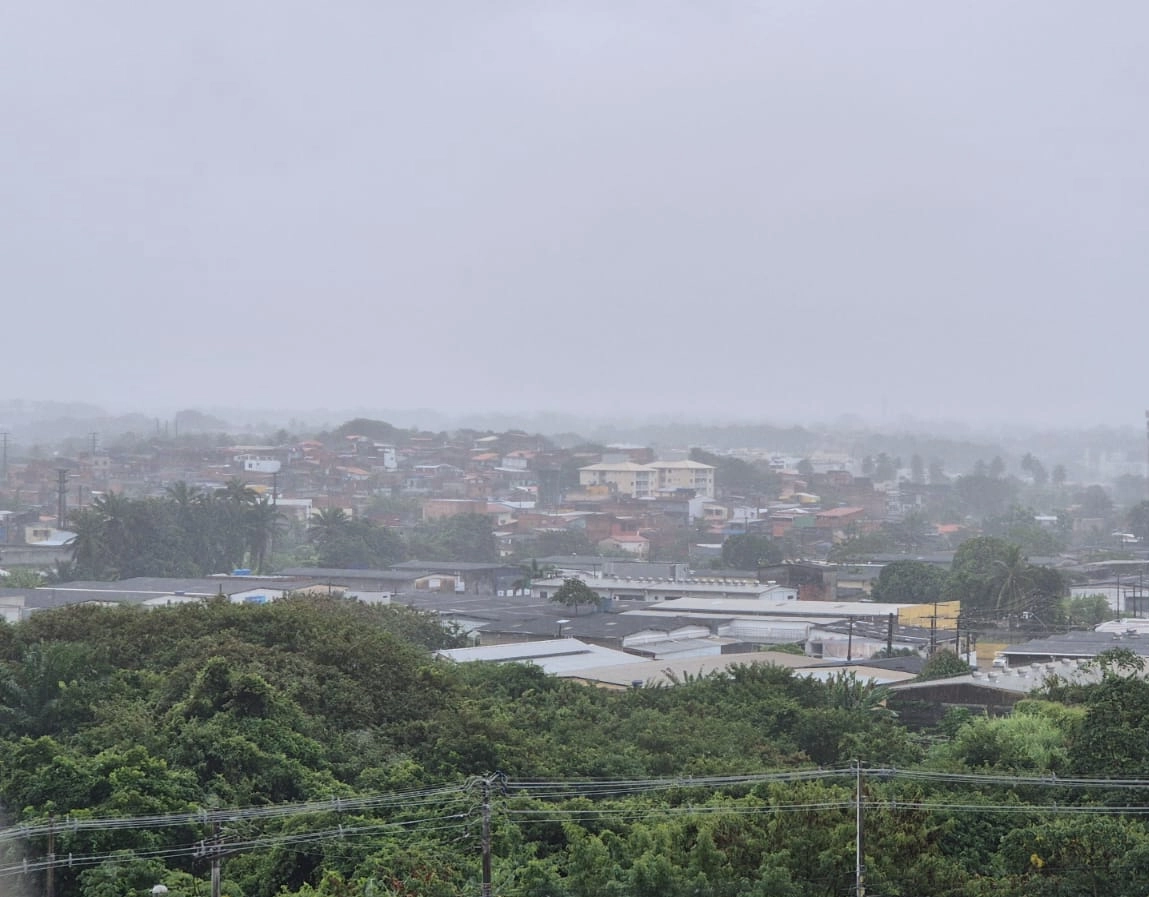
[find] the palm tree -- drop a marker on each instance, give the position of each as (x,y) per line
(263,521)
(117,543)
(327,530)
(238,491)
(89,546)
(325,523)
(1011,581)
(184,495)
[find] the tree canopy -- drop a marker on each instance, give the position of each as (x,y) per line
(750,551)
(574,593)
(909,582)
(994,580)
(343,759)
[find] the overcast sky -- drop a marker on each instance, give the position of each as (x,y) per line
(773,210)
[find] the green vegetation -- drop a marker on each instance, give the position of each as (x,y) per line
(186,533)
(736,476)
(575,593)
(193,533)
(341,757)
(750,551)
(942,665)
(909,582)
(994,580)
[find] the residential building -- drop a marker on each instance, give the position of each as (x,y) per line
(650,480)
(682,475)
(624,477)
(630,543)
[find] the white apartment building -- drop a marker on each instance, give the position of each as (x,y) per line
(694,475)
(650,480)
(626,477)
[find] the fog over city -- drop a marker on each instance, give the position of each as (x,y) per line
(749,210)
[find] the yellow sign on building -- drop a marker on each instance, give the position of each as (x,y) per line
(946,613)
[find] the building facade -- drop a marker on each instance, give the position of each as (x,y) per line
(650,480)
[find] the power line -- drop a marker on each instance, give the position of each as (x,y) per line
(451,809)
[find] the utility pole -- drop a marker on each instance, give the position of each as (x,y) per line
(890,636)
(850,642)
(859,855)
(50,877)
(486,838)
(61,497)
(212,848)
(216,855)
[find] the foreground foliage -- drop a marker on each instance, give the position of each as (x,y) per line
(298,709)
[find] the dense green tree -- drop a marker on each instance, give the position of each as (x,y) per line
(353,543)
(1019,526)
(1034,739)
(463,537)
(1094,501)
(886,467)
(911,533)
(982,495)
(736,476)
(379,430)
(993,580)
(1086,611)
(1137,521)
(1077,857)
(1035,469)
(862,547)
(185,534)
(909,582)
(1113,738)
(565,542)
(574,593)
(942,665)
(750,551)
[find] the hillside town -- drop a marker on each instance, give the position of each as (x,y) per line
(688,553)
(371,608)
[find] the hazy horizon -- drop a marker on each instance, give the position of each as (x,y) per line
(738,210)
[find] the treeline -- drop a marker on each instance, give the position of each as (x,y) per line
(992,577)
(191,532)
(995,582)
(188,532)
(137,714)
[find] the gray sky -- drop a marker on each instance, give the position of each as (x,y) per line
(763,209)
